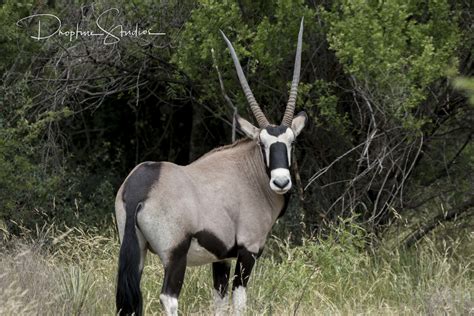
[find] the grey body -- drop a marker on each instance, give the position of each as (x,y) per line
(225,192)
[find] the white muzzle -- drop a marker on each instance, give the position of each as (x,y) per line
(280,181)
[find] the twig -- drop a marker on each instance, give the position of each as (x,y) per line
(226,97)
(296,172)
(318,174)
(421,232)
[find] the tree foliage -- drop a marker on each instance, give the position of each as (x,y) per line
(390,133)
(395,50)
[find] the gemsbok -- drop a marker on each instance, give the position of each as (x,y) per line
(221,206)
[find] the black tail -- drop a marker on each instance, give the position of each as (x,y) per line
(129,296)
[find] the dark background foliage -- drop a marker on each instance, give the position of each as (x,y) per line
(386,85)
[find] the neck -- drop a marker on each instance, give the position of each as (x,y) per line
(253,162)
(243,161)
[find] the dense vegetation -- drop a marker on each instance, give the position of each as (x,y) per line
(73,273)
(388,153)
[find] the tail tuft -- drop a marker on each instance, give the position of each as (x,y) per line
(128,296)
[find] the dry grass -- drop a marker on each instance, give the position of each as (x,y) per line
(73,273)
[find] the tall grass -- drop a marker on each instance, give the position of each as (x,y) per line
(72,272)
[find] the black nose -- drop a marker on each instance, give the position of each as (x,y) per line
(281,183)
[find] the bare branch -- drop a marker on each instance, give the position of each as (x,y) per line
(226,97)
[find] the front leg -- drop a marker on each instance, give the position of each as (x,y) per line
(243,269)
(220,274)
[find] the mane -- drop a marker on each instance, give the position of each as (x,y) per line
(237,143)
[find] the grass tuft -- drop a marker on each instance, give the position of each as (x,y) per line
(73,271)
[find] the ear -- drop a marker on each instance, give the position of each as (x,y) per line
(247,128)
(299,122)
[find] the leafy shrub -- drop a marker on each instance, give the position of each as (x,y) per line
(394,50)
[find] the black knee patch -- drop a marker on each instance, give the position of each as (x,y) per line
(243,268)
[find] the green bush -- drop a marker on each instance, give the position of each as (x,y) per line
(394,50)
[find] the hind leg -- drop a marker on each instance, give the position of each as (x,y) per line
(175,269)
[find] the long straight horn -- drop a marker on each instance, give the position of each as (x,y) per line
(257,111)
(290,106)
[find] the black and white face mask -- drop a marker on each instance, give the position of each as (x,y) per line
(276,143)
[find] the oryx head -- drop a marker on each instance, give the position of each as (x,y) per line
(276,141)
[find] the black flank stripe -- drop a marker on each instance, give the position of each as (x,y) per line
(214,245)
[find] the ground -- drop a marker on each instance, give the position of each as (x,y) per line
(72,271)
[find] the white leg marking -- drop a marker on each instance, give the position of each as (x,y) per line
(170,304)
(220,303)
(239,299)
